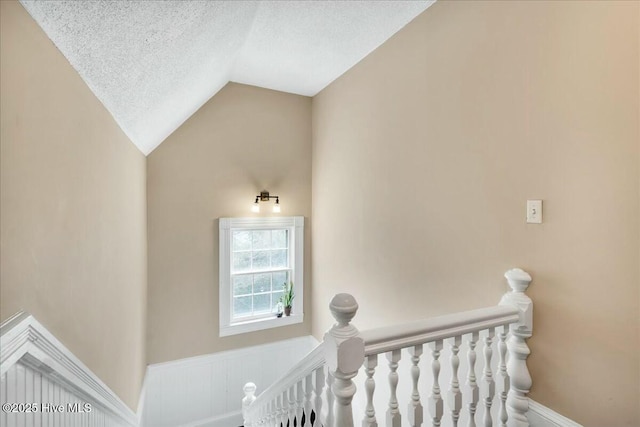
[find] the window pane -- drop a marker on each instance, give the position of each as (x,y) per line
(242,284)
(279,279)
(260,259)
(261,239)
(241,240)
(276,298)
(262,304)
(262,283)
(279,239)
(279,258)
(241,306)
(241,261)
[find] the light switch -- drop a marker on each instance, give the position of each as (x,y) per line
(534,211)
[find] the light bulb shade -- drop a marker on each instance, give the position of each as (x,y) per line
(255,207)
(276,208)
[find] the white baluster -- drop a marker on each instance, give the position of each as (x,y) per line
(255,416)
(292,405)
(519,377)
(259,417)
(455,396)
(308,393)
(435,400)
(504,377)
(370,364)
(393,414)
(249,397)
(256,413)
(472,379)
(328,417)
(299,403)
(273,412)
(344,352)
(488,385)
(285,408)
(266,416)
(319,386)
(415,411)
(278,409)
(262,415)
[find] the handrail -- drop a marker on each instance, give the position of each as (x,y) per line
(394,337)
(312,361)
(344,350)
(389,338)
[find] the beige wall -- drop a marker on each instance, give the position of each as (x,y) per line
(243,140)
(73,215)
(426,151)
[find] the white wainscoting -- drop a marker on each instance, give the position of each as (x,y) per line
(207,390)
(42,375)
(24,384)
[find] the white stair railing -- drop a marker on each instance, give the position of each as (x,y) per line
(319,390)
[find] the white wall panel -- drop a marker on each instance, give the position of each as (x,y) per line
(24,384)
(199,390)
(38,375)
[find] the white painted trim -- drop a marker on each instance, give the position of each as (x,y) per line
(265,222)
(22,335)
(260,324)
(295,224)
(541,416)
(405,335)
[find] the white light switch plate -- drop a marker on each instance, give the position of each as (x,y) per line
(534,211)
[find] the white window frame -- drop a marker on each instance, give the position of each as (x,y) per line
(295,225)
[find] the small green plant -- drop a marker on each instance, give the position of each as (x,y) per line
(288,296)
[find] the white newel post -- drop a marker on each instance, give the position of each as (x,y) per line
(344,353)
(249,396)
(520,379)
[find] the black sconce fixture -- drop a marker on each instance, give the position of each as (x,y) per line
(264,197)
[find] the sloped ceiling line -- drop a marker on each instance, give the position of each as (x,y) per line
(154,63)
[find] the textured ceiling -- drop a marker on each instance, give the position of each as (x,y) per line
(154,63)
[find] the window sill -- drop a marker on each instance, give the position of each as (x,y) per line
(260,324)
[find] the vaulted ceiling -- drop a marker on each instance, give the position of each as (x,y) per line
(154,63)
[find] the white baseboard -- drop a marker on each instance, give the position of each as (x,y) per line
(541,416)
(37,368)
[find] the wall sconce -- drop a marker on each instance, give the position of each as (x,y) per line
(264,197)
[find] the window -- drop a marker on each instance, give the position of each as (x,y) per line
(257,257)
